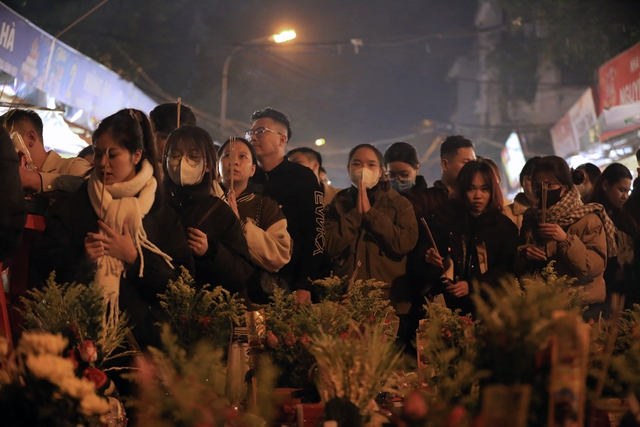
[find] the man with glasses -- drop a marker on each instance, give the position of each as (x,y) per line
(298,193)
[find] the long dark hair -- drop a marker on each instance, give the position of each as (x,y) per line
(621,218)
(465,180)
(131,129)
(196,138)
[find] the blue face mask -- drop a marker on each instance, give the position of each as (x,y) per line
(402,186)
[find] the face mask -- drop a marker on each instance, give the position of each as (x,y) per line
(369,177)
(184,174)
(553,197)
(402,186)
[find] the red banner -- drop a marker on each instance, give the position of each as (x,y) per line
(620,79)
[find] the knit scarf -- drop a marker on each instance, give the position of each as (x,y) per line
(570,210)
(129,202)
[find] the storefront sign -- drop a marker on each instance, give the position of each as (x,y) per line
(572,132)
(620,79)
(35,58)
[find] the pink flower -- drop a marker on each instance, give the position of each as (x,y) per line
(88,351)
(446,332)
(415,406)
(343,335)
(272,340)
(372,318)
(96,376)
(289,339)
(305,340)
(456,416)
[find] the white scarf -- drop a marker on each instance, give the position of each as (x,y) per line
(129,202)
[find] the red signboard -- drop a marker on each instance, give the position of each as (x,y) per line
(620,79)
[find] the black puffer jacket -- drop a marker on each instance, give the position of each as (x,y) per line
(62,249)
(482,248)
(227,262)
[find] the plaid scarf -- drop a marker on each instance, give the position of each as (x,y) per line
(570,210)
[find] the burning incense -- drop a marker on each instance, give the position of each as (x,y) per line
(179,105)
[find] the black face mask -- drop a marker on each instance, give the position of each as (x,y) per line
(553,197)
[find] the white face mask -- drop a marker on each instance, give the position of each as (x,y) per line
(369,177)
(183,173)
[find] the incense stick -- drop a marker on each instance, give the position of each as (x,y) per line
(104,181)
(179,105)
(545,188)
(234,156)
(433,242)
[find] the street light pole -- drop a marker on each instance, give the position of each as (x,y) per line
(284,36)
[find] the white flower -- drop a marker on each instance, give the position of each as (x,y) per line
(50,367)
(92,404)
(41,343)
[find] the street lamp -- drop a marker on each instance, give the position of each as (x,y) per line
(281,37)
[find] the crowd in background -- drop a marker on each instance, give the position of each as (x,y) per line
(147,198)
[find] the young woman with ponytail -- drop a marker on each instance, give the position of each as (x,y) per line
(116,231)
(578,237)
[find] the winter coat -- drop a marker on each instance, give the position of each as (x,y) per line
(582,255)
(61,174)
(481,248)
(62,250)
(380,239)
(515,211)
(227,262)
(13,209)
(296,189)
(425,201)
(265,229)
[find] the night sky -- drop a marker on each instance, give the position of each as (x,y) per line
(395,82)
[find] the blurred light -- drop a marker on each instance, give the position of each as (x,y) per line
(320,142)
(284,36)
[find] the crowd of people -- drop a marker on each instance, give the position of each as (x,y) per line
(148,197)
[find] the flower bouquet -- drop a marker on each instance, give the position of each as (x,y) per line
(195,313)
(357,366)
(290,326)
(77,312)
(187,389)
(39,387)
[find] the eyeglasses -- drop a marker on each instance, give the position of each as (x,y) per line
(258,132)
(399,177)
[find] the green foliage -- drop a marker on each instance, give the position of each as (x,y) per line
(451,352)
(623,374)
(76,311)
(291,325)
(181,389)
(356,365)
(201,313)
